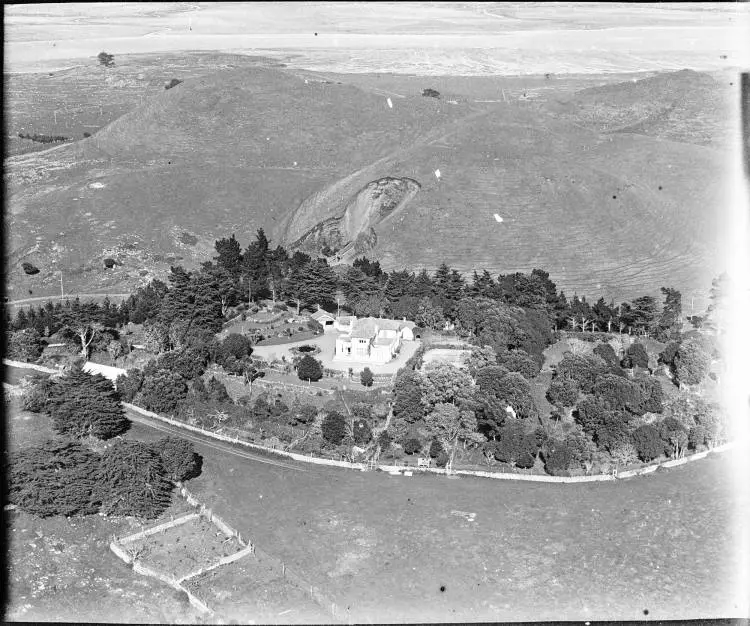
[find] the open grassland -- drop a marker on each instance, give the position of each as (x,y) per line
(661,543)
(608,213)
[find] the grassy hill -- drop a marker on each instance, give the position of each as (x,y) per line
(611,213)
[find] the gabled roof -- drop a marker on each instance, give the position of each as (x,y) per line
(321,314)
(367,327)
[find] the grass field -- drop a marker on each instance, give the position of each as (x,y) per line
(573,200)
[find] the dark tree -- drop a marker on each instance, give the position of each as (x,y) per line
(36,399)
(520,361)
(412,445)
(366,377)
(635,356)
(334,427)
(559,459)
(105,59)
(163,391)
(217,391)
(179,459)
(129,384)
(608,355)
(436,449)
(648,443)
(617,393)
(590,414)
(236,345)
(134,481)
(25,345)
(83,405)
(384,440)
(57,477)
(361,432)
(309,369)
(669,322)
(613,431)
(407,396)
(582,370)
(562,393)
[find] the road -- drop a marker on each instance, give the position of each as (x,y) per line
(206,442)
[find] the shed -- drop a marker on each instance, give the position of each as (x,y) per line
(324,318)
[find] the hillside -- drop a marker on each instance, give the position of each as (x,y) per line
(685,106)
(320,162)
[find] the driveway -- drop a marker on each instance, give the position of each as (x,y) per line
(327,343)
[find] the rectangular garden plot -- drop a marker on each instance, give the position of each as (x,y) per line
(254,588)
(184,549)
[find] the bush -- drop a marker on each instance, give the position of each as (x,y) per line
(559,459)
(412,445)
(334,427)
(635,356)
(366,377)
(521,362)
(57,477)
(172,83)
(697,436)
(129,384)
(134,481)
(106,59)
(562,393)
(83,405)
(36,398)
(309,369)
(179,459)
(109,263)
(303,415)
(442,459)
(430,93)
(29,269)
(163,391)
(436,449)
(648,443)
(362,433)
(216,391)
(25,345)
(384,440)
(236,345)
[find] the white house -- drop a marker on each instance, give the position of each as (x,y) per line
(370,339)
(325,319)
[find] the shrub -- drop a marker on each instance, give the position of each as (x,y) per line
(667,355)
(635,356)
(83,405)
(334,427)
(309,369)
(697,436)
(384,440)
(361,431)
(608,355)
(179,459)
(366,377)
(412,445)
(25,345)
(172,83)
(189,362)
(559,459)
(109,263)
(29,269)
(442,459)
(134,481)
(303,415)
(57,477)
(562,392)
(430,93)
(521,362)
(236,345)
(692,362)
(129,384)
(648,443)
(217,391)
(163,391)
(36,397)
(436,448)
(106,59)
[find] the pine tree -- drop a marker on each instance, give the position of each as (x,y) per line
(83,405)
(134,481)
(57,477)
(229,255)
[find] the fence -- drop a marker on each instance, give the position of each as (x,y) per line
(273,384)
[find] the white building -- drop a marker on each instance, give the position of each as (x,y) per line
(325,319)
(370,339)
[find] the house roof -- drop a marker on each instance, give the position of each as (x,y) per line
(321,314)
(368,326)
